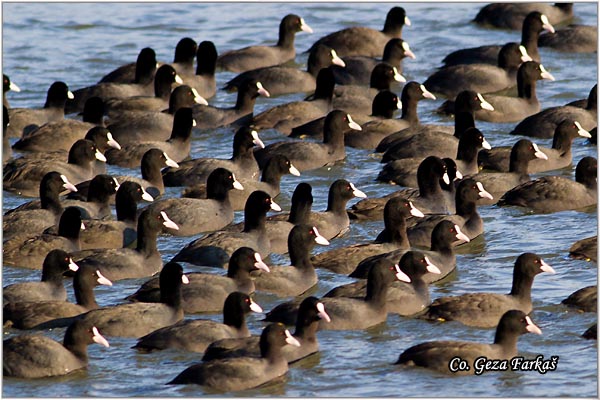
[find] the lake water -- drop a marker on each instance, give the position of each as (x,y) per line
(80,42)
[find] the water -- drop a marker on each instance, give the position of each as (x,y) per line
(79,43)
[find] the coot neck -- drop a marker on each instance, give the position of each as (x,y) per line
(507,339)
(271,175)
(383,112)
(94,114)
(521,286)
(270,351)
(146,239)
(306,328)
(182,131)
(314,64)
(393,28)
(99,196)
(336,204)
(442,245)
(254,220)
(286,37)
(52,275)
(217,192)
(379,83)
(466,152)
(174,105)
(529,39)
(84,293)
(126,207)
(152,174)
(526,88)
(235,318)
(300,255)
(465,208)
(300,212)
(334,137)
(206,64)
(462,121)
(518,165)
(243,150)
(429,185)
(377,289)
(562,142)
(393,57)
(57,102)
(49,201)
(592,103)
(588,180)
(245,102)
(76,159)
(162,88)
(241,276)
(394,232)
(171,296)
(70,230)
(144,73)
(409,109)
(420,287)
(75,346)
(324,88)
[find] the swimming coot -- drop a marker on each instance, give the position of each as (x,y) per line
(36,356)
(363,41)
(216,248)
(253,57)
(486,309)
(195,335)
(244,372)
(438,355)
(556,193)
(283,80)
(207,292)
(533,25)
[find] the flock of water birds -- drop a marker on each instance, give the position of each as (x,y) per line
(143,116)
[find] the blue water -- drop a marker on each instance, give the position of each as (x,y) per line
(80,42)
